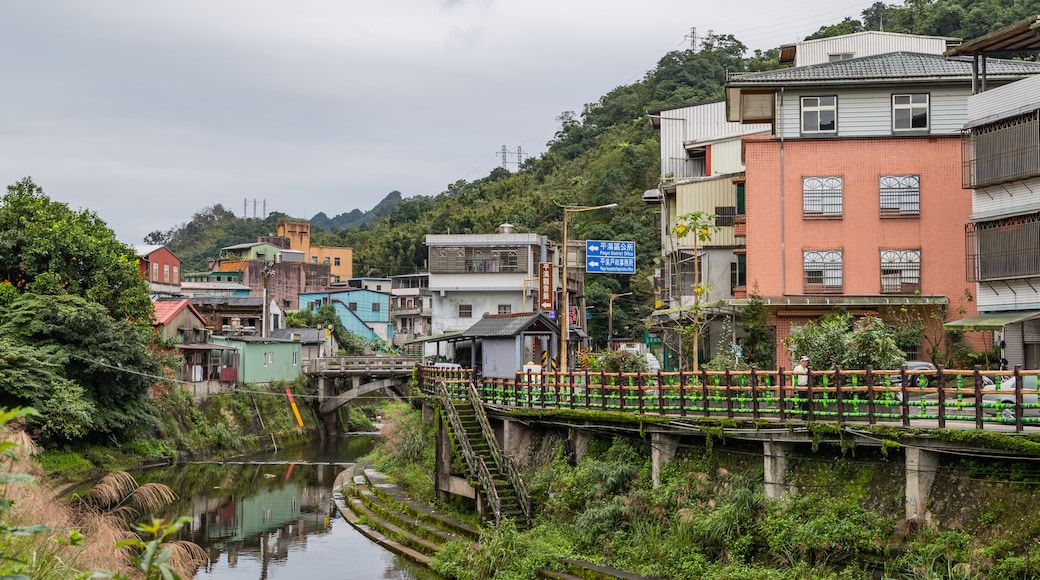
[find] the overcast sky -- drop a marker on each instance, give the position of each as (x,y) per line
(147,112)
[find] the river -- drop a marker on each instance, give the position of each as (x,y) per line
(270,516)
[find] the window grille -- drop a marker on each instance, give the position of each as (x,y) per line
(900,195)
(900,271)
(823,271)
(822,197)
(999,152)
(1003,249)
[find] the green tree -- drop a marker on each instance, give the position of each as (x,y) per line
(757,340)
(699,226)
(837,339)
(47,248)
(93,373)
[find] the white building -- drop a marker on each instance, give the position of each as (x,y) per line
(1001,165)
(476,274)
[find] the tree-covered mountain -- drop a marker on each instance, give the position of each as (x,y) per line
(357,218)
(608,153)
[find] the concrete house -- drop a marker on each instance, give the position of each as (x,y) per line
(1001,165)
(476,274)
(263,360)
(160,268)
(854,198)
(366,313)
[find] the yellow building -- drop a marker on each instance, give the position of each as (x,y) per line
(339,259)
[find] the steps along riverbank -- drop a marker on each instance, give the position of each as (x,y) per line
(385,514)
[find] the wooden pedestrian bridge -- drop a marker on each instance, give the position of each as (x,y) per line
(920,413)
(962,399)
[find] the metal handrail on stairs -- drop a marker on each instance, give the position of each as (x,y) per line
(504,462)
(477,467)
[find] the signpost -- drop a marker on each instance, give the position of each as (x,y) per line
(545,286)
(610,257)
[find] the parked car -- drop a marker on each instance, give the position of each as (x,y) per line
(1006,398)
(924,380)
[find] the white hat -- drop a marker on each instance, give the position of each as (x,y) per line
(804,358)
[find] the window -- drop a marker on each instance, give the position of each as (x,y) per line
(823,273)
(900,271)
(821,197)
(379,287)
(166,273)
(724,215)
(1004,248)
(837,56)
(465,311)
(1002,151)
(268,358)
(336,262)
(900,195)
(295,359)
(738,272)
(910,112)
(819,114)
(314,259)
(352,307)
(375,307)
(741,205)
(155,271)
(505,309)
(176,275)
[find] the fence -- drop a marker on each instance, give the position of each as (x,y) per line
(931,398)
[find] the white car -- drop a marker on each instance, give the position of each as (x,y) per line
(1002,402)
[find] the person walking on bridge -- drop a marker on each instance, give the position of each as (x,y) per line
(801,381)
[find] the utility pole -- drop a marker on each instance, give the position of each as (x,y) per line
(266,274)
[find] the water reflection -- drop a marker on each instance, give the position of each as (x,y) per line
(271,516)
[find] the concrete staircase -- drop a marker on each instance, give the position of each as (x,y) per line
(385,514)
(506,492)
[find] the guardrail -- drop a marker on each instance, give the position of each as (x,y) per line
(361,365)
(870,396)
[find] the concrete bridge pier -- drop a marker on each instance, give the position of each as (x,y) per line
(921,467)
(775,463)
(662,450)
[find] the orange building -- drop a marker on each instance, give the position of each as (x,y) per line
(855,200)
(339,259)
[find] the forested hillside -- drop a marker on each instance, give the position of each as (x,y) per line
(606,153)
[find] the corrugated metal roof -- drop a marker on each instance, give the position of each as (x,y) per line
(885,67)
(307,335)
(1023,35)
(510,324)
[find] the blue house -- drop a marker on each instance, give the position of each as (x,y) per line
(364,312)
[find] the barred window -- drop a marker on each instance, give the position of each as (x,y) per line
(823,271)
(822,197)
(724,215)
(465,311)
(505,309)
(1004,248)
(900,195)
(900,271)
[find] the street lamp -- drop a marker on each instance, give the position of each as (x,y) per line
(565,306)
(610,319)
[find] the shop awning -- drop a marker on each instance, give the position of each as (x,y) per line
(992,320)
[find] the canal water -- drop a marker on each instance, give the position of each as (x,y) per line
(271,517)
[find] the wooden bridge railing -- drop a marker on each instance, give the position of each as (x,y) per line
(861,396)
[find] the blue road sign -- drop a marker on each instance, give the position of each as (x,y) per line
(609,257)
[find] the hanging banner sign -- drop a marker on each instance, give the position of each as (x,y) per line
(545,286)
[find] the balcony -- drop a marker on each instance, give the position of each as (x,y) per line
(1008,150)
